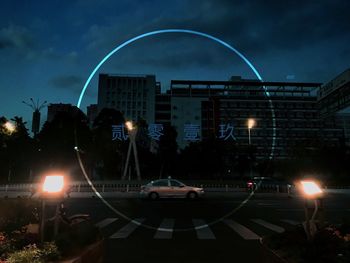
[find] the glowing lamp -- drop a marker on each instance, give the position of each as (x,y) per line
(251,123)
(53,183)
(10,126)
(311,188)
(129,125)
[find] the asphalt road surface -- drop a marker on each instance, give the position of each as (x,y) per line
(212,229)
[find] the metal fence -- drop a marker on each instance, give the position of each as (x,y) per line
(116,186)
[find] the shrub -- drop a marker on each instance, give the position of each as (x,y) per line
(33,254)
(76,237)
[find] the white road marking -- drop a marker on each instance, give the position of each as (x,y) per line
(165,230)
(291,222)
(202,229)
(244,232)
(268,225)
(105,222)
(125,231)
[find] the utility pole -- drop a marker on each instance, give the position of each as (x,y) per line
(37,107)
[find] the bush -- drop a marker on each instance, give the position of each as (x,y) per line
(15,214)
(329,245)
(34,254)
(77,237)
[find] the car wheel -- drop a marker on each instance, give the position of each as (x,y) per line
(153,196)
(192,195)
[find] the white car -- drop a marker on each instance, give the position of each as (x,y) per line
(170,188)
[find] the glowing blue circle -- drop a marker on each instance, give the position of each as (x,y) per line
(187,31)
(162,32)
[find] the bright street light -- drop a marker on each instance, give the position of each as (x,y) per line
(311,188)
(53,184)
(52,187)
(312,191)
(10,127)
(129,125)
(132,130)
(251,123)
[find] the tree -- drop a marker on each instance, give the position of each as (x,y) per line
(108,155)
(58,139)
(16,151)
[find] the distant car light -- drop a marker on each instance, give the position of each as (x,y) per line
(311,188)
(53,183)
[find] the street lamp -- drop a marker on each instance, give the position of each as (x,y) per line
(132,130)
(52,187)
(311,191)
(10,127)
(53,184)
(250,124)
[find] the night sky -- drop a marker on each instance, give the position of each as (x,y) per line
(49,48)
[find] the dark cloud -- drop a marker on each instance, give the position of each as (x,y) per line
(69,82)
(15,37)
(261,26)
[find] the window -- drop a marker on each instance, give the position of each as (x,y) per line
(160,183)
(175,183)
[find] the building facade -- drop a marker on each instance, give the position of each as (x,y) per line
(133,95)
(286,114)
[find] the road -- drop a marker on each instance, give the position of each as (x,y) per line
(207,230)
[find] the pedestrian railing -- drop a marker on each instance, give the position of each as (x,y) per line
(81,187)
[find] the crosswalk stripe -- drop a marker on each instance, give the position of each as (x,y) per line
(165,230)
(268,225)
(291,222)
(244,232)
(105,222)
(125,231)
(202,229)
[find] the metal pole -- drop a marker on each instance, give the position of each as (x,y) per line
(42,220)
(127,160)
(136,161)
(250,157)
(57,218)
(249,136)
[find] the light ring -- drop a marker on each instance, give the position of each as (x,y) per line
(157,32)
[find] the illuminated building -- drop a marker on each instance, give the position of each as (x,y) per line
(133,95)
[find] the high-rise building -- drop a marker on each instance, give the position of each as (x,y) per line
(133,95)
(286,114)
(92,112)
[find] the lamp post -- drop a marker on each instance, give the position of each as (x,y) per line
(52,187)
(10,128)
(132,130)
(250,125)
(313,192)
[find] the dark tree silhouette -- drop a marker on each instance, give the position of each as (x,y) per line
(58,139)
(107,154)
